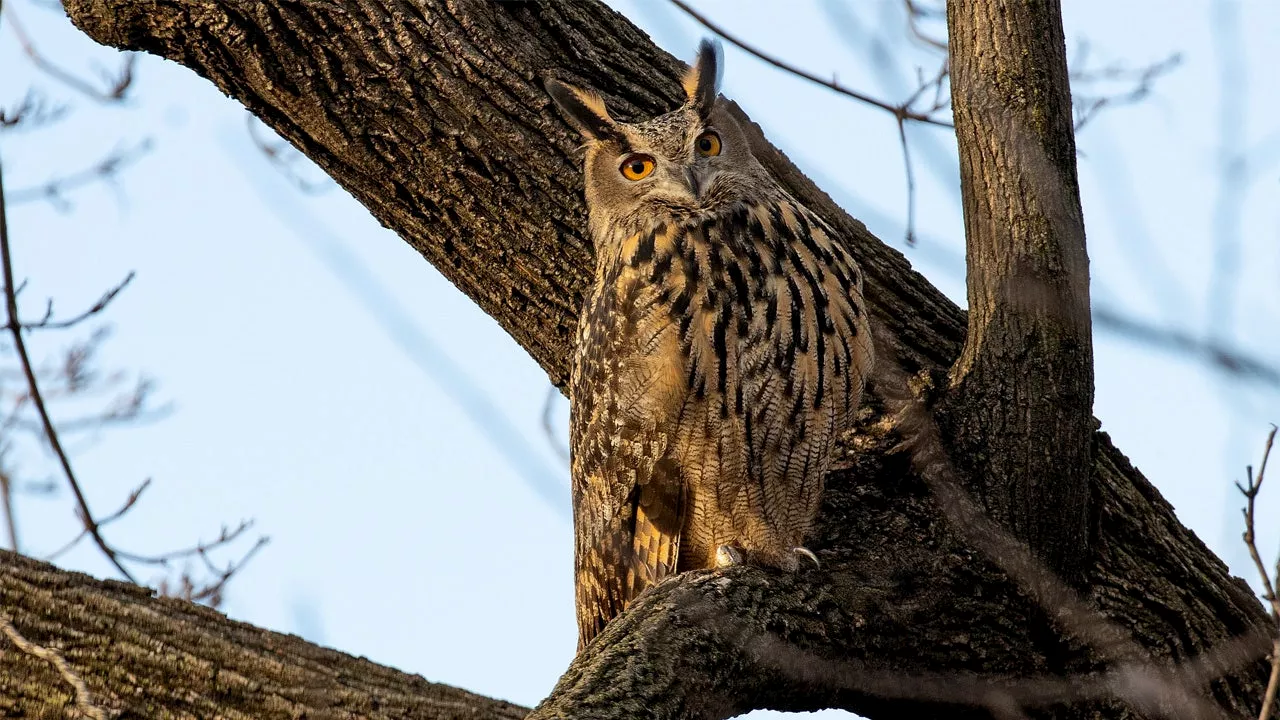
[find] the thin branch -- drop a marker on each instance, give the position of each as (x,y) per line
(1088,106)
(940,98)
(84,700)
(917,12)
(31,112)
(199,549)
(51,434)
(938,103)
(48,324)
(1251,495)
(213,592)
(210,592)
(96,422)
(276,155)
(1227,359)
(902,112)
(911,183)
(1268,587)
(105,170)
(128,504)
(116,87)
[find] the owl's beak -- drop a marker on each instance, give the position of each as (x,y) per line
(691,179)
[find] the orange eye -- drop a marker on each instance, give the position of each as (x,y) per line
(636,167)
(708,144)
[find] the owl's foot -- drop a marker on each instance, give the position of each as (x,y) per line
(727,555)
(807,554)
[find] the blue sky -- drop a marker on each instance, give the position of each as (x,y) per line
(388,435)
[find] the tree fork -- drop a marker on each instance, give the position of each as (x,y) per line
(432,114)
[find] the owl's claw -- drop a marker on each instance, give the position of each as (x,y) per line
(806,552)
(727,555)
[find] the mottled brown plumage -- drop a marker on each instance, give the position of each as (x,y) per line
(721,352)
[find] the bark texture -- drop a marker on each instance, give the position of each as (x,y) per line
(432,114)
(146,657)
(1024,383)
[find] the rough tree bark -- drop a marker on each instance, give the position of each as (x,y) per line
(1023,387)
(431,113)
(160,658)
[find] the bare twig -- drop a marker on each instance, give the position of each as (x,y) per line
(940,99)
(1250,493)
(212,591)
(279,154)
(199,549)
(917,12)
(1227,359)
(32,111)
(128,504)
(130,413)
(84,700)
(188,589)
(911,184)
(938,103)
(105,170)
(116,86)
(51,434)
(49,324)
(1087,106)
(902,112)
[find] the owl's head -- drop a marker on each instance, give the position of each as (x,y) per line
(692,162)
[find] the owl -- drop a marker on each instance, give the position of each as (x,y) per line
(722,350)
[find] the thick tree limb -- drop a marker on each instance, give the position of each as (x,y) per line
(432,114)
(159,658)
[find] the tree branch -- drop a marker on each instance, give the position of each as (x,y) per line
(116,87)
(1022,410)
(1269,594)
(139,656)
(14,324)
(902,111)
(105,170)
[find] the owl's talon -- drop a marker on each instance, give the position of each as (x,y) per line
(727,555)
(806,552)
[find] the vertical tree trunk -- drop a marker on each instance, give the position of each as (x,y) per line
(1023,420)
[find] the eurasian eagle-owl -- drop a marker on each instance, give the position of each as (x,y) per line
(722,350)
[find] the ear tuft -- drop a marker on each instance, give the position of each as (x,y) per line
(702,81)
(583,108)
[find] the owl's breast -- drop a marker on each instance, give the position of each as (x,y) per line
(762,289)
(749,324)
